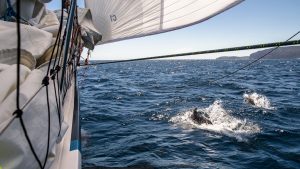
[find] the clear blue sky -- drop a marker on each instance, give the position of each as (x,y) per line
(251,22)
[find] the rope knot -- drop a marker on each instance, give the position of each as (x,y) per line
(52,74)
(52,71)
(18,113)
(53,77)
(57,68)
(45,81)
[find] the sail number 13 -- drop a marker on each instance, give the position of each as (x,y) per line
(113,18)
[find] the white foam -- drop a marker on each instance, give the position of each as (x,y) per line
(222,122)
(258,100)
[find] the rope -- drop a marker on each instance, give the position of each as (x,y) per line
(57,41)
(57,106)
(18,54)
(29,100)
(63,40)
(49,121)
(56,68)
(69,27)
(45,82)
(276,45)
(29,142)
(249,64)
(19,112)
(267,45)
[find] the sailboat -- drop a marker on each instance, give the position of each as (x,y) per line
(40,52)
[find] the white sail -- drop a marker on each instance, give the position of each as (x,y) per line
(126,19)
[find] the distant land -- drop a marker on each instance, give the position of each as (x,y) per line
(292,52)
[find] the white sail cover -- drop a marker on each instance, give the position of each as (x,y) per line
(126,19)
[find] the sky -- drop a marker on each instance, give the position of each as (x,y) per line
(251,22)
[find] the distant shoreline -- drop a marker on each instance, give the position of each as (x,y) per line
(291,52)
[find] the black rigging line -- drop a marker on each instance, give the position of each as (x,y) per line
(59,35)
(49,122)
(19,112)
(46,83)
(267,45)
(276,45)
(54,48)
(56,68)
(32,97)
(18,54)
(29,142)
(69,27)
(56,44)
(57,105)
(249,64)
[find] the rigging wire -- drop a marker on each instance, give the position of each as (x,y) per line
(57,104)
(267,45)
(249,64)
(18,54)
(276,45)
(69,27)
(56,68)
(30,99)
(49,121)
(46,83)
(19,112)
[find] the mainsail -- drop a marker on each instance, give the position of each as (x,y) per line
(125,19)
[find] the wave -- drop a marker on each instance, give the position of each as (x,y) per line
(222,122)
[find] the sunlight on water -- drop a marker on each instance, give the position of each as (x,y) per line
(222,122)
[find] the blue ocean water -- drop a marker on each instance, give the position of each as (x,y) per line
(137,114)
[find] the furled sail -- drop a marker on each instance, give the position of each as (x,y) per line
(126,19)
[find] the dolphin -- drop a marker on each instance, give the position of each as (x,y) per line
(251,98)
(200,117)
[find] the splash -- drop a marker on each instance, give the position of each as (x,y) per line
(258,100)
(222,122)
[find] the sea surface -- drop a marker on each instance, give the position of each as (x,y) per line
(138,114)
